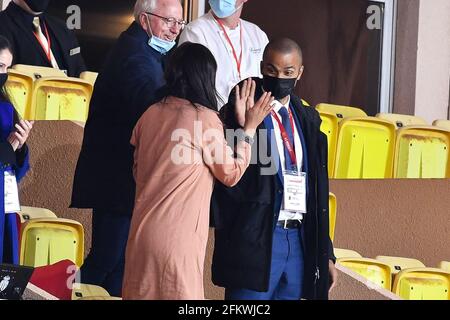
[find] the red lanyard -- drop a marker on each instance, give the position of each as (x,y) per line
(238,61)
(48,52)
(285,137)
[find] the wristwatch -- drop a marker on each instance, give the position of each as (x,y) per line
(246,138)
(249,140)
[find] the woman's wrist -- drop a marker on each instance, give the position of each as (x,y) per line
(249,131)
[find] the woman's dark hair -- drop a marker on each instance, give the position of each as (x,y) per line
(191,75)
(6,45)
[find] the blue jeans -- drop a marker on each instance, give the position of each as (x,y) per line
(104,266)
(286,274)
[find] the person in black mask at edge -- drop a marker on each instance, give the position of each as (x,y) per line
(271,229)
(39,39)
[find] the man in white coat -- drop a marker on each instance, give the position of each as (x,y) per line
(237,45)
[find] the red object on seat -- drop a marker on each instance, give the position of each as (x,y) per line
(56,279)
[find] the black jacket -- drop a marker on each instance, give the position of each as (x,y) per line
(124,89)
(244,216)
(17,25)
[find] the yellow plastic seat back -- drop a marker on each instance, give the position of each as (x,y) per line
(332,208)
(330,127)
(346,253)
(341,112)
(89,76)
(365,149)
(47,241)
(374,271)
(422,152)
(82,290)
(402,120)
(20,90)
(398,264)
(445,265)
(37,72)
(444,124)
(422,284)
(61,99)
(29,213)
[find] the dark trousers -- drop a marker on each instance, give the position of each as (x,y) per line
(104,266)
(286,275)
(9,239)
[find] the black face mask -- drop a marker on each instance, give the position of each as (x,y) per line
(280,88)
(37,5)
(3,79)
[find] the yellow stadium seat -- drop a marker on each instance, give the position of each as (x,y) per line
(20,90)
(365,149)
(402,120)
(398,264)
(422,284)
(375,271)
(341,112)
(82,290)
(37,72)
(445,265)
(89,76)
(29,213)
(444,124)
(346,253)
(330,127)
(61,99)
(45,241)
(305,103)
(332,208)
(422,152)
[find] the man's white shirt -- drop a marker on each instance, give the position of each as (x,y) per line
(206,31)
(287,215)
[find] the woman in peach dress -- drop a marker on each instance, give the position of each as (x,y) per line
(179,150)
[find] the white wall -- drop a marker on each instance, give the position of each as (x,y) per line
(199,7)
(433,60)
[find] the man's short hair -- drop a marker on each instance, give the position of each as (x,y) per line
(284,46)
(142,6)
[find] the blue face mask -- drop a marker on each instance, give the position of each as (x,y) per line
(223,8)
(160,45)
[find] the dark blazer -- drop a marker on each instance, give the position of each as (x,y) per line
(124,89)
(16,160)
(17,26)
(244,216)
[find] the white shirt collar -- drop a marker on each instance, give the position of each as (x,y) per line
(277,105)
(235,30)
(229,30)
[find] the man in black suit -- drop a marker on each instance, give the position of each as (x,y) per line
(271,229)
(125,88)
(39,39)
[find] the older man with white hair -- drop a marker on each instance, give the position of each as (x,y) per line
(125,88)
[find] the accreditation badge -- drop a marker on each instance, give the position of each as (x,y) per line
(294,191)
(12,204)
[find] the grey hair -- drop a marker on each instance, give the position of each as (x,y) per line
(143,6)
